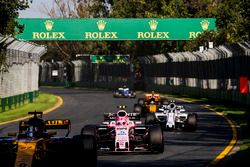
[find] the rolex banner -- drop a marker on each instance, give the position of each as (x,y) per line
(114,29)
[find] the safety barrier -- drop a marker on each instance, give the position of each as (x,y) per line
(20,83)
(13,102)
(84,73)
(213,73)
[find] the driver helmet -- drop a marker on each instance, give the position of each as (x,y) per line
(36,128)
(121,120)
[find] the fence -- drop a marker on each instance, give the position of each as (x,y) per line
(84,73)
(20,83)
(212,73)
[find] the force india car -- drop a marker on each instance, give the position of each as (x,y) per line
(35,145)
(173,116)
(124,92)
(149,104)
(123,132)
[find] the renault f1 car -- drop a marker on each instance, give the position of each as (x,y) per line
(124,133)
(36,145)
(173,116)
(124,92)
(149,104)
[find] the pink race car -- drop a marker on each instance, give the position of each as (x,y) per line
(124,132)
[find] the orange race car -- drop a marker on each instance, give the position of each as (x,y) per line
(150,103)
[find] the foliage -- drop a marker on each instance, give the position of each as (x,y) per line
(231,15)
(232,19)
(9,26)
(8,14)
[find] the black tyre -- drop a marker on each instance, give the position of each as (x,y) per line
(137,108)
(133,95)
(191,123)
(89,130)
(90,150)
(150,118)
(156,140)
(141,101)
(116,94)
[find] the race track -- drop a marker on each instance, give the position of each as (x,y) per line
(182,149)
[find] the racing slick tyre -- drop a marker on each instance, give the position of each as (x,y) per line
(90,150)
(150,118)
(84,149)
(141,101)
(116,95)
(89,130)
(133,95)
(191,123)
(137,108)
(156,140)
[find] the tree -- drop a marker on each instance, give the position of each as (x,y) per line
(66,50)
(9,26)
(232,19)
(232,23)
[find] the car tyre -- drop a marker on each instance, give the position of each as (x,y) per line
(90,150)
(137,109)
(89,130)
(156,140)
(191,123)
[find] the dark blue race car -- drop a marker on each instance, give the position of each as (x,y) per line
(124,92)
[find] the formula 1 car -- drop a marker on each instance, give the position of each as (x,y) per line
(124,92)
(149,104)
(173,116)
(124,133)
(35,145)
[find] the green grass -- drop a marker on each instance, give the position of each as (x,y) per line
(43,102)
(238,113)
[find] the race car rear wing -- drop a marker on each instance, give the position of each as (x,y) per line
(49,124)
(112,116)
(57,124)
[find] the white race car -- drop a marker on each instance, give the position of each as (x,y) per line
(173,116)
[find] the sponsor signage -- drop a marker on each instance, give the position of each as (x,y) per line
(114,29)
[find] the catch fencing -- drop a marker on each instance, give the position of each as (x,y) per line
(84,73)
(19,83)
(214,72)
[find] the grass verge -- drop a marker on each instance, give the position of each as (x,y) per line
(236,112)
(43,102)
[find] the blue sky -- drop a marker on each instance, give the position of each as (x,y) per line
(35,9)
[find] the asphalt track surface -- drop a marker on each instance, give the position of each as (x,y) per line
(182,149)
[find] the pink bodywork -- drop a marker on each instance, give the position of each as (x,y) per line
(122,126)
